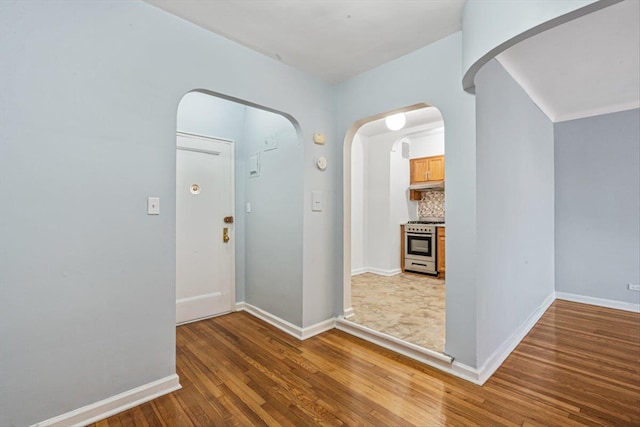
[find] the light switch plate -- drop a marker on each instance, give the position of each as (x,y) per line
(316,201)
(254,165)
(270,142)
(153,206)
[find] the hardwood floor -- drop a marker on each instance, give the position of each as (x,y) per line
(579,365)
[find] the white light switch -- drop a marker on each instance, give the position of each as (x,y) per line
(153,206)
(248,207)
(316,201)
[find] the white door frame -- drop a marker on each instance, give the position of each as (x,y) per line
(231,144)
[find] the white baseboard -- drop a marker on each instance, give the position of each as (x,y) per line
(120,402)
(500,355)
(465,372)
(357,271)
(349,313)
(318,328)
(378,271)
(601,302)
(293,330)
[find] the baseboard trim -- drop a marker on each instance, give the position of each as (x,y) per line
(601,302)
(500,355)
(465,372)
(378,271)
(120,402)
(285,326)
(318,328)
(382,272)
(349,313)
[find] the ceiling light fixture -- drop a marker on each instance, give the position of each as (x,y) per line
(396,121)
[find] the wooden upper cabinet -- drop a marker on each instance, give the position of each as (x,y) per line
(425,169)
(436,168)
(419,169)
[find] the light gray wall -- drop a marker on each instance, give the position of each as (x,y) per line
(377,201)
(379,198)
(274,226)
(432,75)
(87,126)
(401,209)
(320,262)
(597,184)
(358,218)
(515,208)
(208,115)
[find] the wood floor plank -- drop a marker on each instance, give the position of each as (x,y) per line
(580,365)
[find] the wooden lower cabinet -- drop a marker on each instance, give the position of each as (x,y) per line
(440,251)
(402,248)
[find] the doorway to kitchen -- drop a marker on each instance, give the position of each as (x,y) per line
(395,281)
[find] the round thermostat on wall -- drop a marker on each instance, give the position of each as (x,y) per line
(321,163)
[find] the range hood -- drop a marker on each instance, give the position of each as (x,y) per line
(432,185)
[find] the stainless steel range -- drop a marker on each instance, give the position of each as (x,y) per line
(420,245)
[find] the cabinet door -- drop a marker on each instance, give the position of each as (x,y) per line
(419,170)
(436,168)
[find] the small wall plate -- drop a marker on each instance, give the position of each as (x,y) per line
(321,163)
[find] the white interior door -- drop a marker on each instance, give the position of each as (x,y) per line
(205,283)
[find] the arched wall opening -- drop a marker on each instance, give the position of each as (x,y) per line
(377,202)
(268,196)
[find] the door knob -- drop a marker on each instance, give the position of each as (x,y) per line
(225,235)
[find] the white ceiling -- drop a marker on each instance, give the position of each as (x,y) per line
(586,67)
(330,39)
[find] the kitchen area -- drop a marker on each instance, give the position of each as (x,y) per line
(423,240)
(398,229)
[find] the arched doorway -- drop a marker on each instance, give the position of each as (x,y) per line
(265,258)
(379,294)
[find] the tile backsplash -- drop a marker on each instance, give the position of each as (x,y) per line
(432,204)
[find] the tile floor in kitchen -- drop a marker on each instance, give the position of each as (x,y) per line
(408,306)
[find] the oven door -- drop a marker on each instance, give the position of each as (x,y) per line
(419,246)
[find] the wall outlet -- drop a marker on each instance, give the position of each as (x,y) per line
(633,287)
